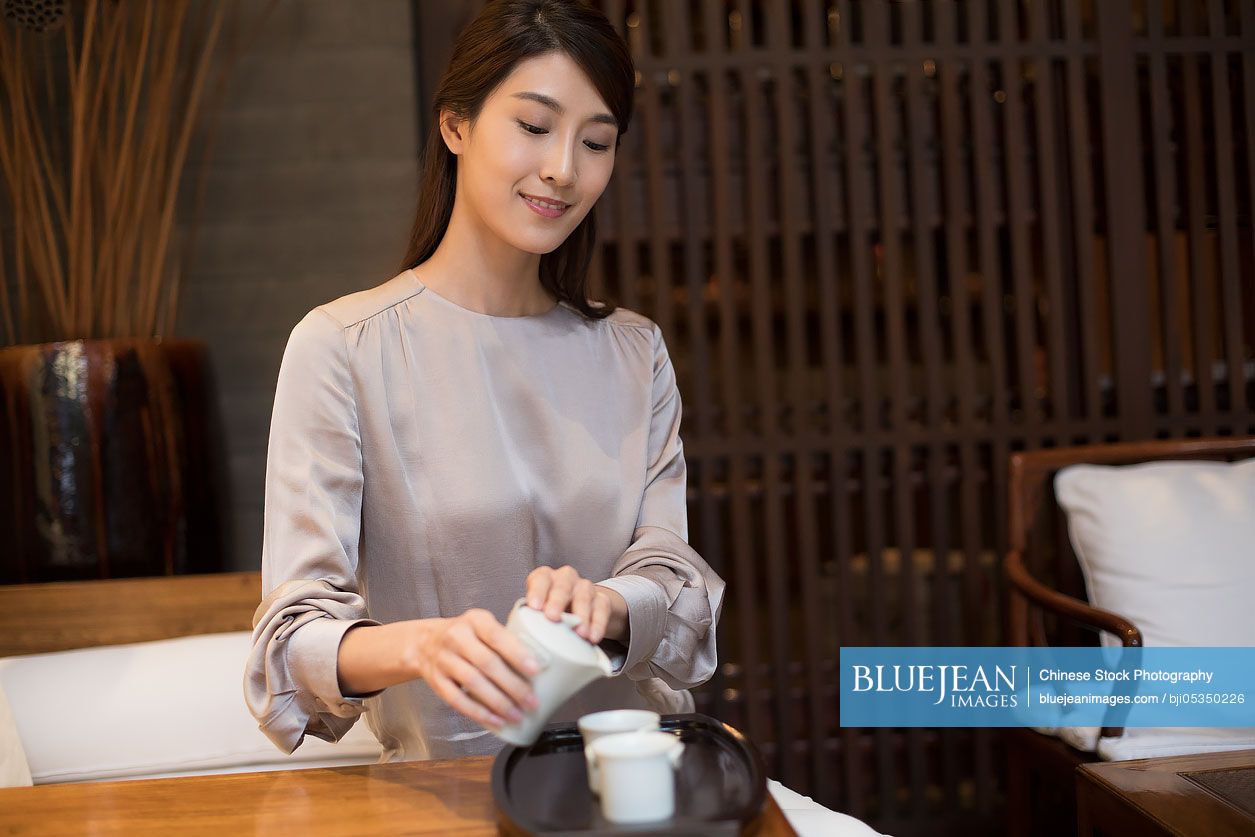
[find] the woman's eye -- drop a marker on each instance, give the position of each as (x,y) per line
(595,146)
(532,129)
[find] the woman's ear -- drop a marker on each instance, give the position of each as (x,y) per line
(454,129)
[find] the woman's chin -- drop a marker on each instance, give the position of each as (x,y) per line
(538,245)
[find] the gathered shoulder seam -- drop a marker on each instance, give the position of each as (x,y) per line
(324,308)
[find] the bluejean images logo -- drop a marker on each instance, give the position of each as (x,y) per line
(1047,687)
(962,686)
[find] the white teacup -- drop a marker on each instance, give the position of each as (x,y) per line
(637,775)
(600,724)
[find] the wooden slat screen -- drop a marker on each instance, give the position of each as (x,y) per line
(888,244)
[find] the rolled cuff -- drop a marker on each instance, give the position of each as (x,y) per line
(313,654)
(647,619)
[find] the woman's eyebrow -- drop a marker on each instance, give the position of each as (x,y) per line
(556,106)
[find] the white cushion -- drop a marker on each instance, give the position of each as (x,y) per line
(14,771)
(1169,546)
(810,819)
(1084,739)
(1152,742)
(173,707)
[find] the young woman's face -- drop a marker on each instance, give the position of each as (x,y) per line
(539,154)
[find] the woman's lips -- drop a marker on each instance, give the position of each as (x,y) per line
(544,208)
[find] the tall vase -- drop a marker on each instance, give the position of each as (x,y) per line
(108,464)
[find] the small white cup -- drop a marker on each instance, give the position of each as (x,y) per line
(637,775)
(613,721)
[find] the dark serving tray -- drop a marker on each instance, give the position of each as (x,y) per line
(720,788)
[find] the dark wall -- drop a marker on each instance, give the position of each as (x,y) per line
(309,195)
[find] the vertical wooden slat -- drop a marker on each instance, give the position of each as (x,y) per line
(1016,217)
(875,31)
(934,361)
(675,40)
(994,346)
(659,234)
(860,211)
(824,211)
(1082,209)
(1059,392)
(1171,303)
(1022,273)
(957,224)
(1203,315)
(895,303)
(761,311)
(1230,294)
(748,630)
(626,211)
(790,225)
(1126,227)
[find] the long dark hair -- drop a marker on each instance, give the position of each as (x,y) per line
(504,33)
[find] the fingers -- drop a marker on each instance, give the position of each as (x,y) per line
(538,583)
(474,670)
(501,656)
(600,618)
(504,679)
(561,590)
(479,686)
(582,605)
(453,695)
(555,591)
(506,645)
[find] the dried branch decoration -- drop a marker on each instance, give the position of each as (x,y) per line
(101,100)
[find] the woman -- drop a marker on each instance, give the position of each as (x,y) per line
(475,430)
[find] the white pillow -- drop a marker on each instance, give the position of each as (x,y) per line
(1155,742)
(810,819)
(1169,546)
(14,771)
(173,707)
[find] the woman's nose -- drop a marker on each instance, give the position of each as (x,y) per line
(559,167)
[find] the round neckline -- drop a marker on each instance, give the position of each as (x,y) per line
(493,317)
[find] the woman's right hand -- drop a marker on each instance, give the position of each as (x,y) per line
(476,666)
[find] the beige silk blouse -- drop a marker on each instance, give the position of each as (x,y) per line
(424,458)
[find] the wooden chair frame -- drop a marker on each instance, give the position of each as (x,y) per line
(1031,476)
(1032,472)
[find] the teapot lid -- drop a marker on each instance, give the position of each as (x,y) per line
(560,637)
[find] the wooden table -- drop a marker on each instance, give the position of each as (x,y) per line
(1209,794)
(422,797)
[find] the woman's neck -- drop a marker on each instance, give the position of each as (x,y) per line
(474,268)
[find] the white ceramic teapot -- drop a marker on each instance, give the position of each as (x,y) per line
(568,663)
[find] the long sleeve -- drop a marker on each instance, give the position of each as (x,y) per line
(673,596)
(310,547)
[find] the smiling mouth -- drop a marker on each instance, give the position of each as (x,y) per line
(544,203)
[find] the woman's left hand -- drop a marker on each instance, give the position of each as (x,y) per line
(602,612)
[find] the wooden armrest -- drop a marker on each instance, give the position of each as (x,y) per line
(1068,607)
